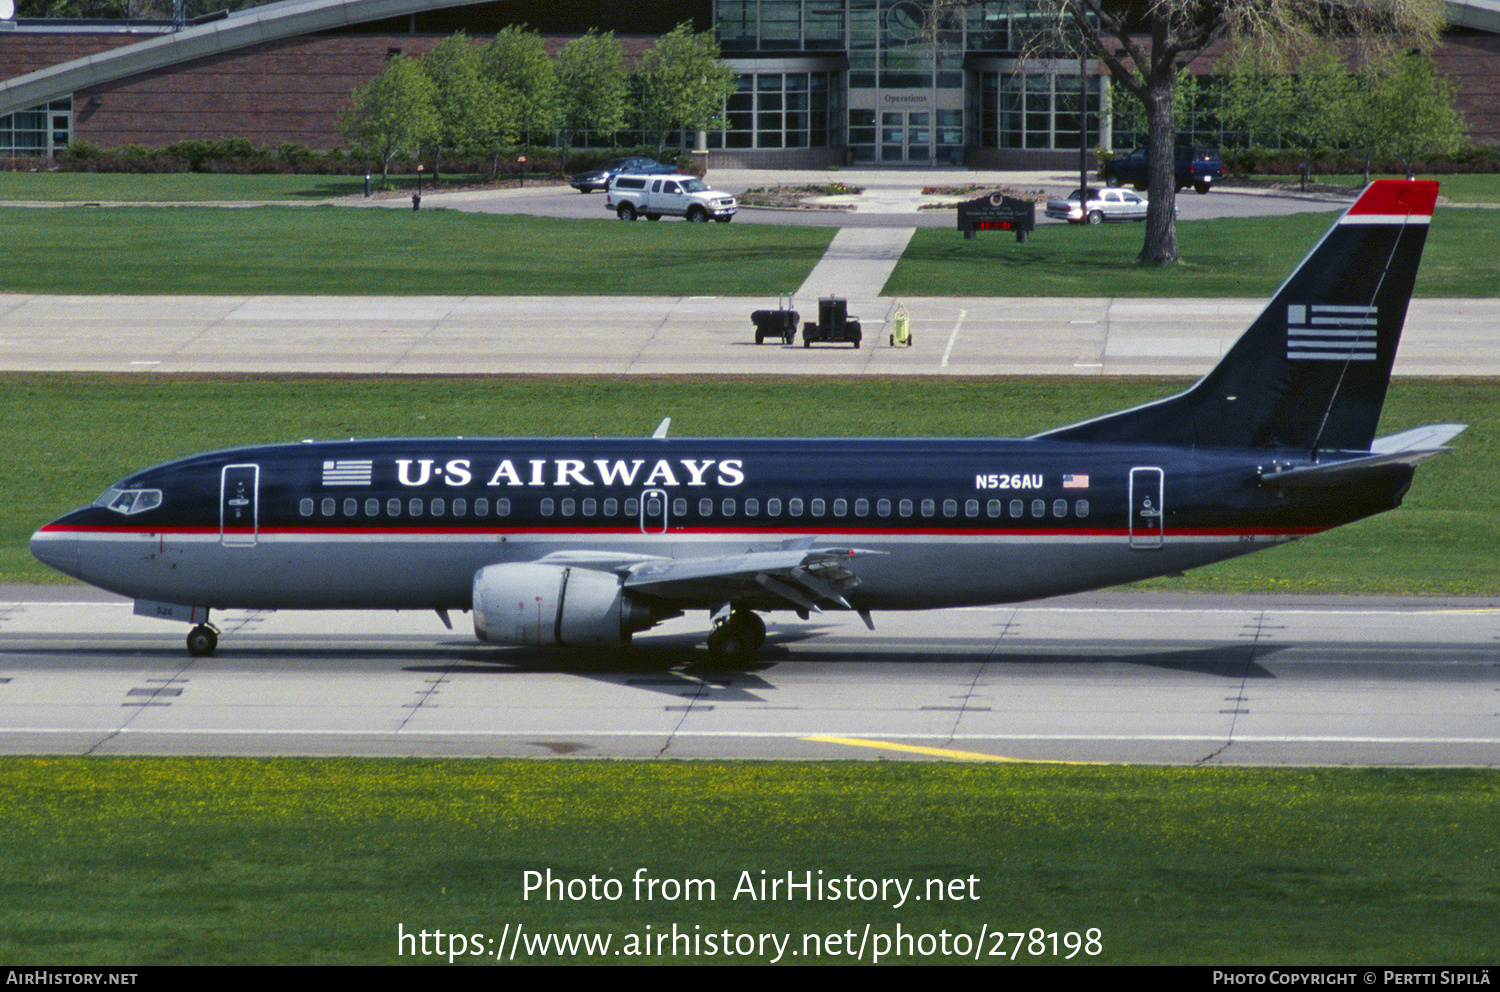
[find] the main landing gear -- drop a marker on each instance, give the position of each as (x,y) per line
(202,640)
(737,638)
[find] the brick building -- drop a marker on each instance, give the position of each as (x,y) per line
(820,81)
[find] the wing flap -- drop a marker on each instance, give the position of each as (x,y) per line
(805,579)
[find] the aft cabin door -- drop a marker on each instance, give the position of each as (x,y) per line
(1146,516)
(239,506)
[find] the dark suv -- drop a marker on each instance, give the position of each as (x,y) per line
(599,178)
(1199,168)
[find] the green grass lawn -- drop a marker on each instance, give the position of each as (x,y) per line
(330,250)
(1234,257)
(77,433)
(340,251)
(1482,187)
(287,861)
(180,187)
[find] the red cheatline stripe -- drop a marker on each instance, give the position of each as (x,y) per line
(832,532)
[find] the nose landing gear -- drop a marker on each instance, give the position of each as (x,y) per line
(202,640)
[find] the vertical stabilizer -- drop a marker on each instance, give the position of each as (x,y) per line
(1312,370)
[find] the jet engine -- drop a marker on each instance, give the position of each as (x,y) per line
(555,606)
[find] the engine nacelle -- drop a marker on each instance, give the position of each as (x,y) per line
(554,605)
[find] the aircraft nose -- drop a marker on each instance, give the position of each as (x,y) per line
(55,551)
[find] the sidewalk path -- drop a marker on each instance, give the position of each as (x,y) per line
(857,263)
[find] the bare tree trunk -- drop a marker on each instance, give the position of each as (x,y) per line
(1160,247)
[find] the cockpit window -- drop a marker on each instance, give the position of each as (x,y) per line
(130,501)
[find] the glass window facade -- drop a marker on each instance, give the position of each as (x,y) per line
(41,131)
(923,80)
(782,110)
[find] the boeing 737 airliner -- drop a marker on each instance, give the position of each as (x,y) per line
(583,541)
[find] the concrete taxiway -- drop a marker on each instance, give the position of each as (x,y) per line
(1108,678)
(672,335)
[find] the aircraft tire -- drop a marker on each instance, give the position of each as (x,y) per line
(738,639)
(202,640)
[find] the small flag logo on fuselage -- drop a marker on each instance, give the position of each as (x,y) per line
(347,473)
(1075,482)
(1328,333)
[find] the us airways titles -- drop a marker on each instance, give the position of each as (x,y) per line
(553,472)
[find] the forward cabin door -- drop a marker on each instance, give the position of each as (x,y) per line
(239,506)
(1146,512)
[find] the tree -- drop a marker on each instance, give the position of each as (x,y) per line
(682,84)
(593,86)
(396,112)
(1307,98)
(1145,48)
(466,100)
(525,83)
(1407,111)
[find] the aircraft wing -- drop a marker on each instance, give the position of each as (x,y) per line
(802,578)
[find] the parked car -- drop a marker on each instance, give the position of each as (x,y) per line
(587,182)
(1199,168)
(655,197)
(1101,205)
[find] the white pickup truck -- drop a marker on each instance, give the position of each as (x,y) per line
(655,197)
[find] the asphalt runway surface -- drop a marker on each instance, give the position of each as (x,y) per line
(1113,678)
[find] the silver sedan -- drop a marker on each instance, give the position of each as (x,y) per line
(1102,205)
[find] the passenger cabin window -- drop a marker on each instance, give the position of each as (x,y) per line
(306,507)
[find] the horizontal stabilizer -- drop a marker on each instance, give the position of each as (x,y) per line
(1348,472)
(1430,437)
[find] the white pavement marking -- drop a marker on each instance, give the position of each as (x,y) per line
(948,351)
